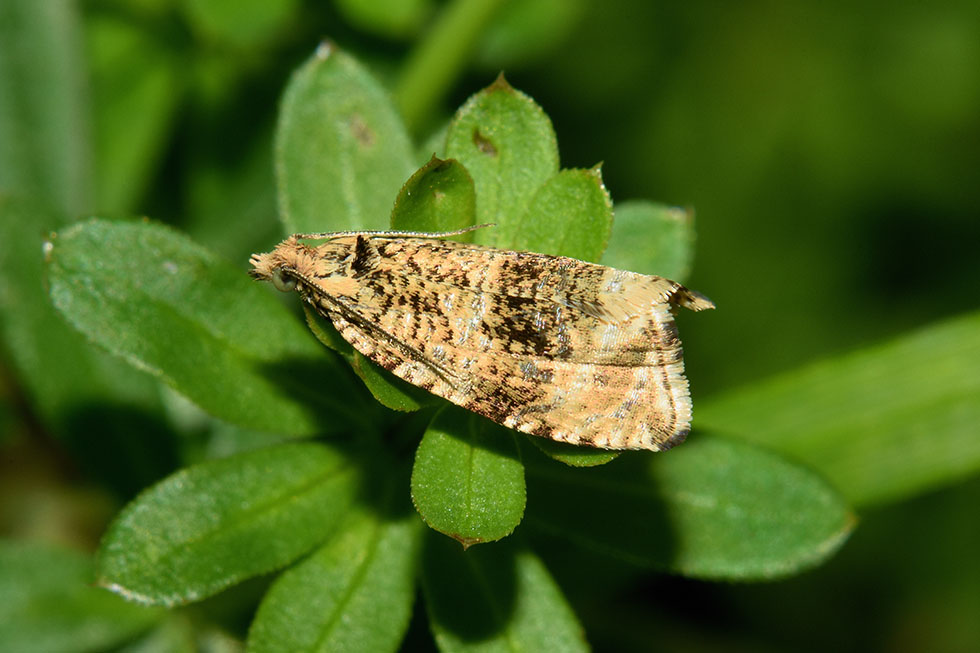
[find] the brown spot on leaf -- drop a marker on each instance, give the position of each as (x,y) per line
(360,130)
(483,143)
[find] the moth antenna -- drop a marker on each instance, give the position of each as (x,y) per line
(391,234)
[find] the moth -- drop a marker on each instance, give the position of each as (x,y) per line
(547,345)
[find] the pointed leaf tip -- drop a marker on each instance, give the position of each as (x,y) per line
(501,84)
(324,49)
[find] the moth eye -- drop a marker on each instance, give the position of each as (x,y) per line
(283,282)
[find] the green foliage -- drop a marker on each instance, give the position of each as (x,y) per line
(392,18)
(109,326)
(132,75)
(506,142)
(579,216)
(214,524)
(703,515)
(333,105)
(652,239)
(238,23)
(870,423)
(440,57)
(153,297)
(498,598)
(38,340)
(439,197)
(468,481)
(45,149)
(523,30)
(355,593)
(47,603)
(150,295)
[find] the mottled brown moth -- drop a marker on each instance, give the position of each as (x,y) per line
(547,345)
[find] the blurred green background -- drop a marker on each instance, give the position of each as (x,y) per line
(831,151)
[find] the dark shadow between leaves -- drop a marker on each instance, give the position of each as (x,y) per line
(403,435)
(481,433)
(233,608)
(327,389)
(123,446)
(469,593)
(613,510)
(385,485)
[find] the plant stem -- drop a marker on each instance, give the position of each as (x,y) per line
(439,58)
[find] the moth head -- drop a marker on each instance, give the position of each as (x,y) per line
(284,266)
(330,268)
(283,280)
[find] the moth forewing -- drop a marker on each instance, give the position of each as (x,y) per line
(547,345)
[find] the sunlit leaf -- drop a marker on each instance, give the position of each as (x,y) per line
(508,146)
(468,481)
(709,508)
(150,295)
(217,523)
(342,152)
(883,423)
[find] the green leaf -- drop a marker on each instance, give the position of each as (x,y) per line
(651,238)
(468,481)
(229,206)
(354,594)
(571,454)
(148,294)
(47,603)
(214,524)
(36,340)
(570,215)
(439,197)
(328,336)
(438,59)
(44,128)
(68,384)
(136,91)
(508,146)
(495,598)
(883,423)
(525,30)
(390,18)
(342,152)
(709,509)
(176,634)
(242,24)
(389,390)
